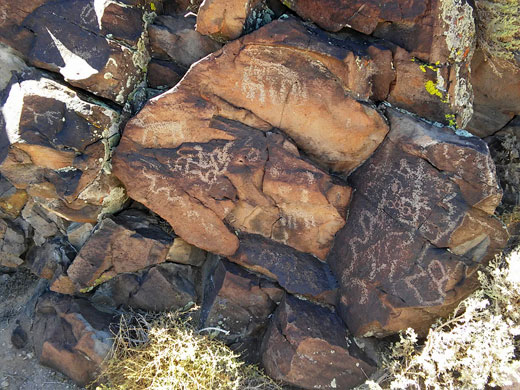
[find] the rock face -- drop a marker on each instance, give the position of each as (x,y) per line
(56,145)
(298,273)
(424,190)
(13,243)
(71,336)
(163,287)
(307,345)
(240,304)
(128,242)
(208,160)
(97,46)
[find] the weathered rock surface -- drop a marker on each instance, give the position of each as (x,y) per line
(166,286)
(13,244)
(128,242)
(425,190)
(56,146)
(201,159)
(298,273)
(497,95)
(44,223)
(174,38)
(71,336)
(12,200)
(225,20)
(184,253)
(240,304)
(97,46)
(51,259)
(163,74)
(308,346)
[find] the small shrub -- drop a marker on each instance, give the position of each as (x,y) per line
(473,348)
(163,352)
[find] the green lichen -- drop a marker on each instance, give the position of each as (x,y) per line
(451,119)
(499,28)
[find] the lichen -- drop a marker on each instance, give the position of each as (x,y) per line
(499,29)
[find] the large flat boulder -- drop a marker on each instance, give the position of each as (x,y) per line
(204,158)
(308,346)
(420,224)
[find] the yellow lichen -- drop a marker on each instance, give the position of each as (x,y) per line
(432,89)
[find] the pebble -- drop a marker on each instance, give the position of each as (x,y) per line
(4,384)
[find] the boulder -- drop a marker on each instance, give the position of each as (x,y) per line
(128,242)
(420,224)
(203,153)
(166,286)
(163,74)
(45,224)
(78,233)
(184,253)
(71,336)
(497,94)
(96,46)
(225,20)
(174,38)
(237,306)
(308,346)
(13,244)
(298,273)
(56,146)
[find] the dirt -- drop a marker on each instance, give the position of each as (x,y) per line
(19,368)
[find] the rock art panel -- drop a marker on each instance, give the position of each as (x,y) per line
(420,224)
(97,46)
(308,346)
(128,242)
(204,157)
(56,146)
(298,273)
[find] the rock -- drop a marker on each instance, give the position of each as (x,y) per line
(57,146)
(184,253)
(177,7)
(308,346)
(128,242)
(296,272)
(238,305)
(163,74)
(497,95)
(13,244)
(19,337)
(44,223)
(71,336)
(226,20)
(51,259)
(208,146)
(78,233)
(12,200)
(424,191)
(174,38)
(99,48)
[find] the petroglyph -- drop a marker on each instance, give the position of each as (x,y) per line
(265,80)
(207,166)
(49,117)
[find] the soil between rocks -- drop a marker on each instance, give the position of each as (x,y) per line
(19,368)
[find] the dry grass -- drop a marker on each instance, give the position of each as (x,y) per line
(163,351)
(474,348)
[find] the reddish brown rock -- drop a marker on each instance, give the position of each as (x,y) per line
(184,253)
(497,95)
(208,158)
(298,273)
(424,191)
(71,336)
(163,74)
(226,20)
(12,200)
(239,304)
(97,48)
(56,146)
(126,243)
(308,346)
(174,38)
